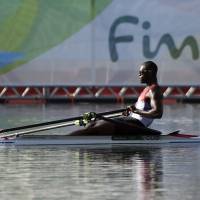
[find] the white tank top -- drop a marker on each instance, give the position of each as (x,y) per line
(143,103)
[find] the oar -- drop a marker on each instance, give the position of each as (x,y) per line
(51,124)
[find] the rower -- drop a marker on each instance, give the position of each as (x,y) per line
(137,117)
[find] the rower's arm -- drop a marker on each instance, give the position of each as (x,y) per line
(156,102)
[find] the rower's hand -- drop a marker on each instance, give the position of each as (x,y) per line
(128,110)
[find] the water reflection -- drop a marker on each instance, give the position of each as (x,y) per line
(138,168)
(142,173)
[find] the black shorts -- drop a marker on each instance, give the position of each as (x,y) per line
(131,120)
(129,126)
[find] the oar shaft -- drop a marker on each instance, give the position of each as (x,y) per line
(55,122)
(50,127)
(37,129)
(39,124)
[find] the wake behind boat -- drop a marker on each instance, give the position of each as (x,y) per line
(173,138)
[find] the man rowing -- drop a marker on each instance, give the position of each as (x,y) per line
(137,117)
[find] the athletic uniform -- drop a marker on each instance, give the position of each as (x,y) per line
(143,103)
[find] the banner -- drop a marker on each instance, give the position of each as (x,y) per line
(92,42)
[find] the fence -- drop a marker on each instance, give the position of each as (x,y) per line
(99,93)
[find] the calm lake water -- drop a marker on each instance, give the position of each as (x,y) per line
(61,172)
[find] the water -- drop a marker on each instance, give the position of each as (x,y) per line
(60,172)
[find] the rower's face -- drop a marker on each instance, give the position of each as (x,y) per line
(143,74)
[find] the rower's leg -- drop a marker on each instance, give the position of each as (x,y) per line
(96,128)
(101,127)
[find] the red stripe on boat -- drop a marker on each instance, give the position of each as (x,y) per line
(183,135)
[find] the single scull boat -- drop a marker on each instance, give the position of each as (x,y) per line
(174,138)
(22,135)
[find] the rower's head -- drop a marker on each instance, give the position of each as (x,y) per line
(148,72)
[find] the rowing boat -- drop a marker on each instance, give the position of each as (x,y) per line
(22,135)
(176,138)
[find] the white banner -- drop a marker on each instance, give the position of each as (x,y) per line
(62,45)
